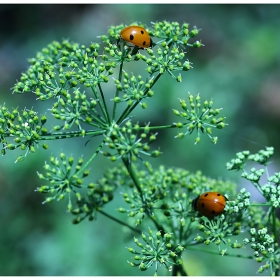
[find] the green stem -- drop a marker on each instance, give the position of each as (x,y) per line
(133,176)
(217,253)
(178,270)
(180,233)
(92,157)
(266,171)
(101,105)
(117,92)
(275,228)
(72,134)
(188,230)
(136,182)
(260,204)
(158,127)
(106,113)
(258,187)
(129,109)
(119,221)
(99,120)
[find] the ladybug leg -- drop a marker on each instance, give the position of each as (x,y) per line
(135,50)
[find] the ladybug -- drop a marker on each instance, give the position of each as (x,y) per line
(137,35)
(210,204)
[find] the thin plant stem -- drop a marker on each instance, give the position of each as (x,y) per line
(101,104)
(275,227)
(178,270)
(260,204)
(217,253)
(129,109)
(72,134)
(92,158)
(106,113)
(119,221)
(117,92)
(134,178)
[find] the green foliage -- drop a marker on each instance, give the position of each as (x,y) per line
(72,78)
(199,119)
(264,228)
(159,250)
(26,130)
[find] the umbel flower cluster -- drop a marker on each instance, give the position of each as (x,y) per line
(91,92)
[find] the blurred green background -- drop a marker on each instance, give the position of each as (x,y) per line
(239,68)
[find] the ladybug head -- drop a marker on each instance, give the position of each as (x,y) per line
(194,203)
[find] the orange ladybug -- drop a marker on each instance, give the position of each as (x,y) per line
(210,204)
(137,35)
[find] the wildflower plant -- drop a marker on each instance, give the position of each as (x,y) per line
(157,205)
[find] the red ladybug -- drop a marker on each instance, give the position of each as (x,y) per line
(210,204)
(136,35)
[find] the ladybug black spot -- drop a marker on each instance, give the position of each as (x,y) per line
(142,32)
(213,212)
(206,195)
(218,194)
(131,37)
(144,43)
(202,205)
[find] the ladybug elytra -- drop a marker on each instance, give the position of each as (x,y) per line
(136,35)
(210,204)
